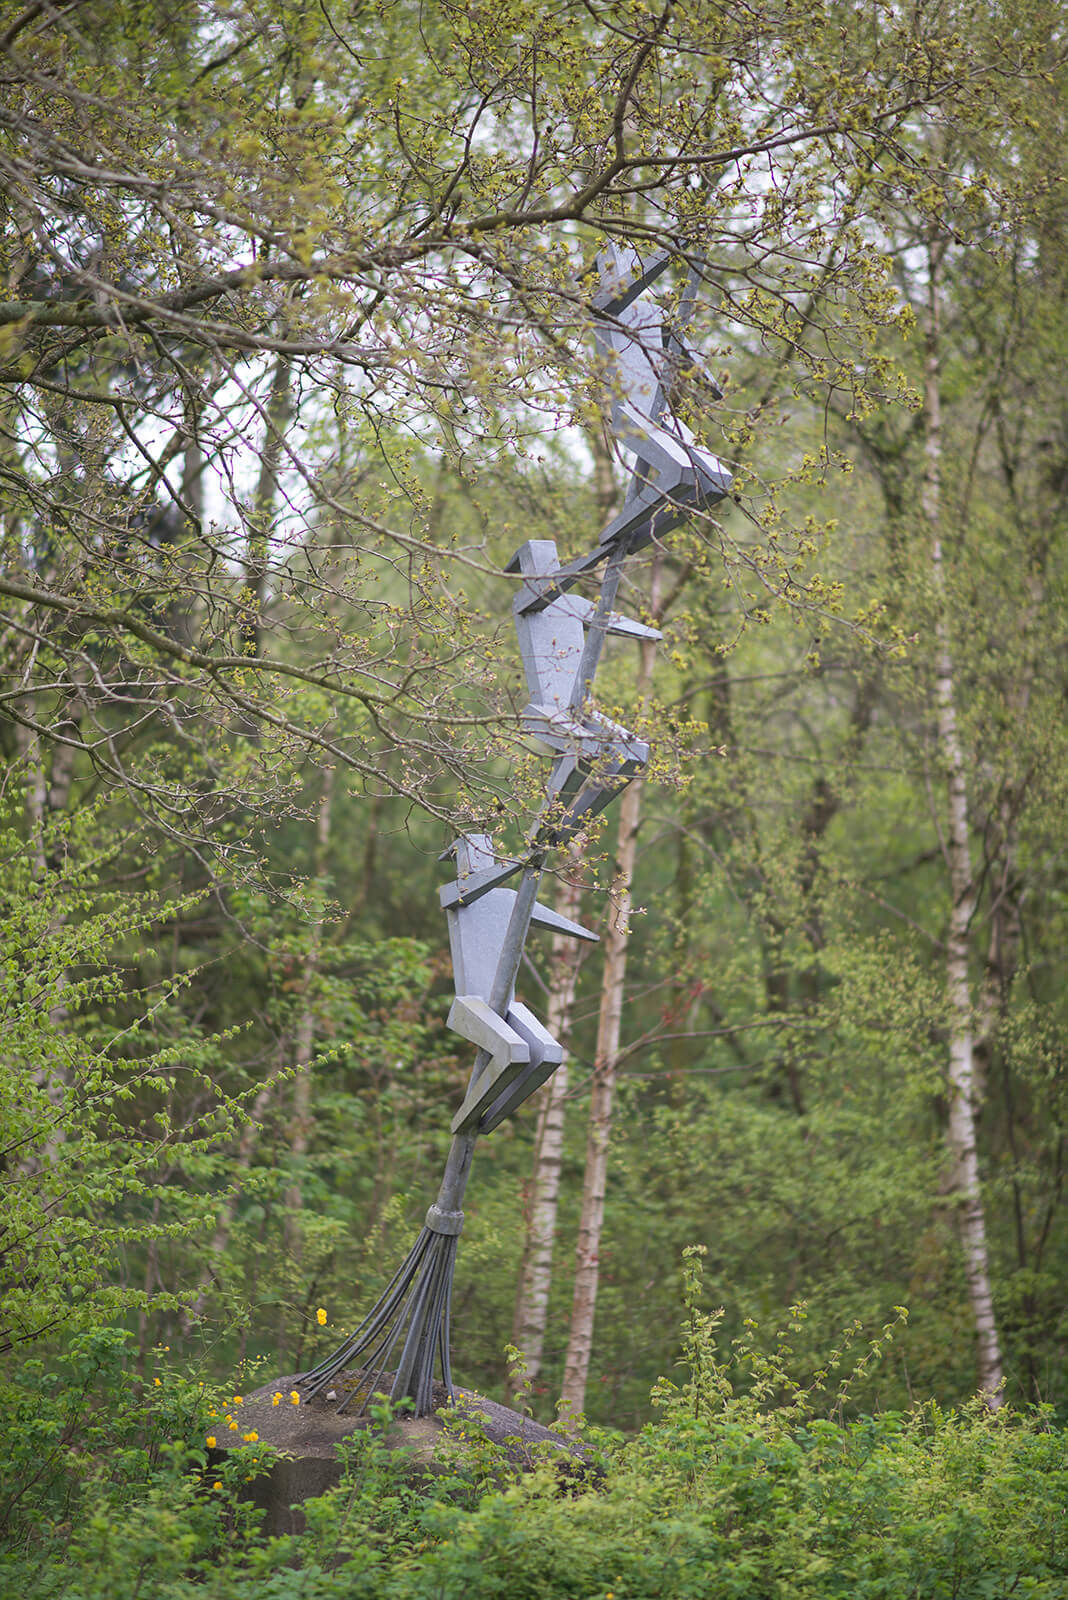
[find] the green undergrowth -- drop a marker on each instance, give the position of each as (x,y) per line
(749,1484)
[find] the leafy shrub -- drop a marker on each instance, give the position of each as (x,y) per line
(98,1164)
(743,1488)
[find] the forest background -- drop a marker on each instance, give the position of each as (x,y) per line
(295,352)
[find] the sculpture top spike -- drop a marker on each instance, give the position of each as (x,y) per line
(624,277)
(673,475)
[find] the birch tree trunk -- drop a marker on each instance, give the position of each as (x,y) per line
(606,1058)
(535,1273)
(961,1132)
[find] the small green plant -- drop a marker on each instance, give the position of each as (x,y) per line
(754,1385)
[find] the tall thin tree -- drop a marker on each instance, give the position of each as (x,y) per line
(961,1129)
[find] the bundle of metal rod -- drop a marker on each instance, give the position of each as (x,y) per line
(561,636)
(415,1308)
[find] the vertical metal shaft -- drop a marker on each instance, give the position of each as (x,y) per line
(597,632)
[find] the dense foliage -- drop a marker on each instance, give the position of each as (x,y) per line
(738,1488)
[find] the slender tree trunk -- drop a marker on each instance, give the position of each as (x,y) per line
(304,1037)
(961,1132)
(32,758)
(535,1274)
(606,1057)
(304,1040)
(53,1077)
(150,1283)
(264,504)
(225,1220)
(181,612)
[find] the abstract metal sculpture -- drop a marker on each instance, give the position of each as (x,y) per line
(561,637)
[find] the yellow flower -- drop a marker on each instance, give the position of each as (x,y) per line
(216,1485)
(276,1397)
(294,1396)
(210,1441)
(250,1438)
(232,1426)
(237,1399)
(320,1316)
(156,1382)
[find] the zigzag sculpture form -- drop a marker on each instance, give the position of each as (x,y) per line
(561,636)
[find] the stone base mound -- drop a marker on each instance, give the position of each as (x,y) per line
(309,1433)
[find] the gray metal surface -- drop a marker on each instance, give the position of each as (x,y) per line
(561,637)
